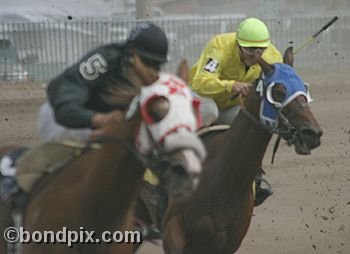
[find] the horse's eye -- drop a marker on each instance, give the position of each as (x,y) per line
(278,93)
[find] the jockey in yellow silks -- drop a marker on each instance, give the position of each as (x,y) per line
(227,67)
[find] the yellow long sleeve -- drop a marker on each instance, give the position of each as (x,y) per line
(219,66)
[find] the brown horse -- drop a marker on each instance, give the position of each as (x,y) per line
(216,217)
(95,191)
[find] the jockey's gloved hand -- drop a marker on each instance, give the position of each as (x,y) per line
(241,87)
(100,119)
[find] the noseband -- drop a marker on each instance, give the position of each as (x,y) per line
(284,118)
(288,131)
(155,160)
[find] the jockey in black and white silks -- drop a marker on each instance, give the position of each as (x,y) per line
(76,98)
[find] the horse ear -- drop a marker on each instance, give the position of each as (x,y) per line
(288,56)
(267,68)
(183,71)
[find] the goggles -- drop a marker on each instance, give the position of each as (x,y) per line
(252,50)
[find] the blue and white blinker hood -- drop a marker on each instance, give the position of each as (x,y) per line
(294,85)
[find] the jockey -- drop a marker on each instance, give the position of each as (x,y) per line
(77,107)
(76,98)
(227,67)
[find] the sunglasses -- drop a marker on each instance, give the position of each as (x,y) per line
(252,51)
(151,63)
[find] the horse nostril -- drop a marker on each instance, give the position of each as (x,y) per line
(311,136)
(178,170)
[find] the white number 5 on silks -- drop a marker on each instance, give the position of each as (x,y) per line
(212,65)
(93,67)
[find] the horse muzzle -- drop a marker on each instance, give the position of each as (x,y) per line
(186,153)
(182,175)
(308,138)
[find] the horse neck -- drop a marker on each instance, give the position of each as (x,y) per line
(118,174)
(245,146)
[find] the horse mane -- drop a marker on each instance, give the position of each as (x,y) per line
(119,91)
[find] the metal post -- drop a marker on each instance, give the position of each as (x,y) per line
(143,9)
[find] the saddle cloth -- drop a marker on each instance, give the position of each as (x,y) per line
(46,158)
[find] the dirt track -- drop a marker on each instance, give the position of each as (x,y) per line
(310,210)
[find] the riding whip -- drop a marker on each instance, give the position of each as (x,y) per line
(312,38)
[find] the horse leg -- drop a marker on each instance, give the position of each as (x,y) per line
(5,222)
(121,247)
(48,249)
(141,214)
(173,237)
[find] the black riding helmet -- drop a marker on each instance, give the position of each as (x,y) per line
(149,41)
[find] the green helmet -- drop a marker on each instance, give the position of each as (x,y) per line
(253,32)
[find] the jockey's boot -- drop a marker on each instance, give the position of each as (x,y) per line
(150,233)
(8,188)
(155,199)
(8,184)
(261,192)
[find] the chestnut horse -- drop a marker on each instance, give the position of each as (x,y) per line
(96,190)
(215,219)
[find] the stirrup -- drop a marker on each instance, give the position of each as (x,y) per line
(261,194)
(149,233)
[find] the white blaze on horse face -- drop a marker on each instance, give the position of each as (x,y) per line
(194,166)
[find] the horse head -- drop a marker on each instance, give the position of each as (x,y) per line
(284,107)
(167,116)
(169,121)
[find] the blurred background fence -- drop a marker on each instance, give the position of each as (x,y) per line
(39,51)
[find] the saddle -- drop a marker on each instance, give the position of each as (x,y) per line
(47,158)
(212,129)
(23,169)
(31,165)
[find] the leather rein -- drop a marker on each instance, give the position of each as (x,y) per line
(289,133)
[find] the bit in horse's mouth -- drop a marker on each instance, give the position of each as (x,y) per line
(301,147)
